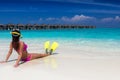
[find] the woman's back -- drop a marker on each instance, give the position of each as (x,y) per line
(22,49)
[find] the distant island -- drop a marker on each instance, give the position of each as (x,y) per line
(42,26)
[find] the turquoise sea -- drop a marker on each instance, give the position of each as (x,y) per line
(98,38)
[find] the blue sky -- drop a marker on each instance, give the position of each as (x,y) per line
(101,13)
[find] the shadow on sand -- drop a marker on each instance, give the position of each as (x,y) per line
(47,60)
(12,60)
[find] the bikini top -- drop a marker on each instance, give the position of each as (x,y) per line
(25,47)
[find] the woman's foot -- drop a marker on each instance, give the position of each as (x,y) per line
(53,47)
(46,46)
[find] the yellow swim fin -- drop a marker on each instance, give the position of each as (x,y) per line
(46,46)
(53,47)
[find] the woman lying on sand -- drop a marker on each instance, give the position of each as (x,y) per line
(21,48)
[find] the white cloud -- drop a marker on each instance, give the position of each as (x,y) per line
(40,19)
(83,20)
(117,18)
(99,11)
(65,19)
(81,17)
(77,18)
(51,19)
(107,19)
(111,19)
(92,2)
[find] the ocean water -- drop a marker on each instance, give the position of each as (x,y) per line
(99,39)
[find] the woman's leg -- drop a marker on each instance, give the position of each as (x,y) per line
(36,55)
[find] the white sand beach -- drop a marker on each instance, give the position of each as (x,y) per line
(66,64)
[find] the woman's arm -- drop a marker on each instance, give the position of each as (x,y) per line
(9,52)
(18,60)
(20,54)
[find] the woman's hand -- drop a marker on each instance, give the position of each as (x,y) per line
(3,61)
(16,65)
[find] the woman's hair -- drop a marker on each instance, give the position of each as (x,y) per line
(15,38)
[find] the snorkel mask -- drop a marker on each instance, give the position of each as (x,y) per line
(16,33)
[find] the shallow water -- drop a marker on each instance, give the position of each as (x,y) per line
(98,40)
